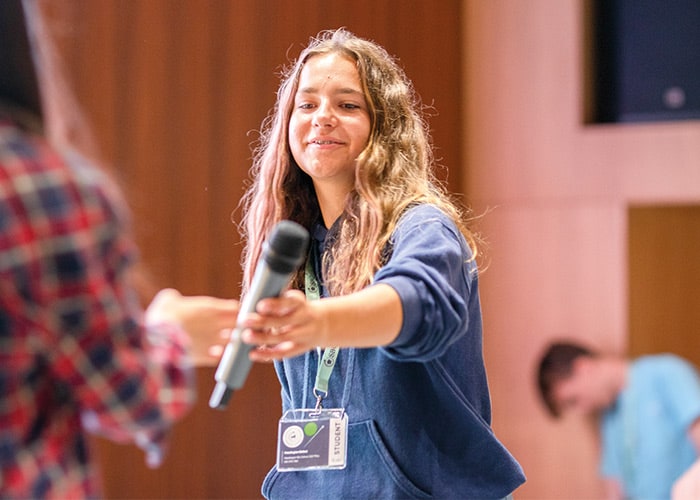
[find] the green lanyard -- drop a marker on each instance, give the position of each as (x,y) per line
(326,363)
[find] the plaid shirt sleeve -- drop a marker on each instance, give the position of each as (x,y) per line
(71,328)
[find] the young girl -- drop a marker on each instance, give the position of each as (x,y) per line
(394,341)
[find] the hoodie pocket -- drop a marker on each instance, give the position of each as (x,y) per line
(371,472)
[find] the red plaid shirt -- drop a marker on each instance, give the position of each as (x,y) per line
(74,355)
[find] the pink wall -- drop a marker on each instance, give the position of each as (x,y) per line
(555,193)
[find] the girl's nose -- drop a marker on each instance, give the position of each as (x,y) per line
(324,116)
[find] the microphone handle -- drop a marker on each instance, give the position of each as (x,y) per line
(235,364)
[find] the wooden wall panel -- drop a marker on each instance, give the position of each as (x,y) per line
(557,191)
(176,90)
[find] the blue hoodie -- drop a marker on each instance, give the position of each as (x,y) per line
(419,409)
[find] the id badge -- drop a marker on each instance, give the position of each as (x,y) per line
(312,439)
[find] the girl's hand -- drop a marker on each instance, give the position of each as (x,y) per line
(284,327)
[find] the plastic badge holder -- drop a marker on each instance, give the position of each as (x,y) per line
(312,439)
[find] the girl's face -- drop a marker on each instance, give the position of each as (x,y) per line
(330,124)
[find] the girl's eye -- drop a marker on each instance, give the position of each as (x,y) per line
(305,105)
(350,105)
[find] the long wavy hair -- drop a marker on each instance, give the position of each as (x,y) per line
(393,172)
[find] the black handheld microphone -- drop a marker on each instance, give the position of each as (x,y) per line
(281,256)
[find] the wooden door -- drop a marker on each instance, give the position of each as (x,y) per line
(664,278)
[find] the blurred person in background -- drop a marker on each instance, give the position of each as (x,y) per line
(649,410)
(77,350)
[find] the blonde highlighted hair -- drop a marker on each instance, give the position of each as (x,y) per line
(393,172)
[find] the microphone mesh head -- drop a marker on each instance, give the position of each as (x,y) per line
(287,238)
(286,247)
